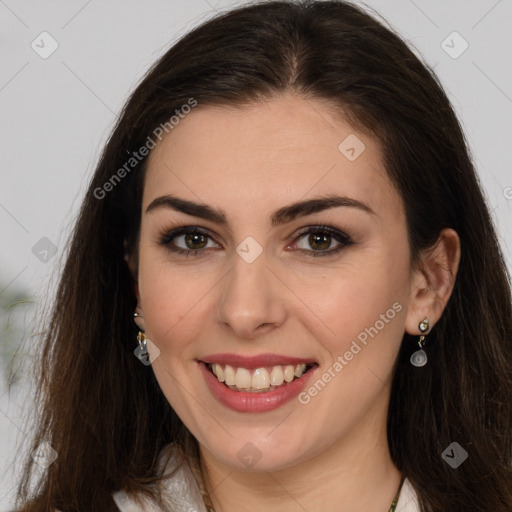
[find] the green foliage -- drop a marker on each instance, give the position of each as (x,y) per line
(14,305)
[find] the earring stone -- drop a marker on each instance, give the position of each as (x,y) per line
(419,358)
(424,325)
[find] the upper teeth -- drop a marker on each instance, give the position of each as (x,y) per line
(260,379)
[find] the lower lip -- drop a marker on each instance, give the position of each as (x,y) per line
(243,401)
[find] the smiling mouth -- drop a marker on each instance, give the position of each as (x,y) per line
(258,380)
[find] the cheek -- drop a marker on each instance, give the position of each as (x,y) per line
(363,306)
(171,300)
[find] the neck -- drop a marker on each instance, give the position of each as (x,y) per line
(356,473)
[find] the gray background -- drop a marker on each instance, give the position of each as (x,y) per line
(56,113)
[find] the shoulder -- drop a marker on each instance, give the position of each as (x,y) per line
(408,500)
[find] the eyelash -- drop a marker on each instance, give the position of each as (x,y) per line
(341,237)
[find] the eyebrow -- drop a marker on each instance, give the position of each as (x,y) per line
(283,215)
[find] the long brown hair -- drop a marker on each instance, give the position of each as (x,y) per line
(103,411)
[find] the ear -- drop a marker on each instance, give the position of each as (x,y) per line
(433,280)
(132,262)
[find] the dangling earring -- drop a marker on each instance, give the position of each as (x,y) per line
(141,352)
(141,337)
(143,344)
(419,358)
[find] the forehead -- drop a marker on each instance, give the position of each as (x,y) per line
(271,152)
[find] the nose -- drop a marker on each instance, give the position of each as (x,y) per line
(252,301)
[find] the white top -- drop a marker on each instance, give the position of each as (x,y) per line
(183,495)
(408,500)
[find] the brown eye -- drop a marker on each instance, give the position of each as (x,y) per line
(188,241)
(195,241)
(318,241)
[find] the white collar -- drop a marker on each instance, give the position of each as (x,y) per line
(408,500)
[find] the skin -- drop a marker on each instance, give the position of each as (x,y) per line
(330,454)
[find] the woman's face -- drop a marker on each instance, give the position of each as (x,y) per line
(263,281)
